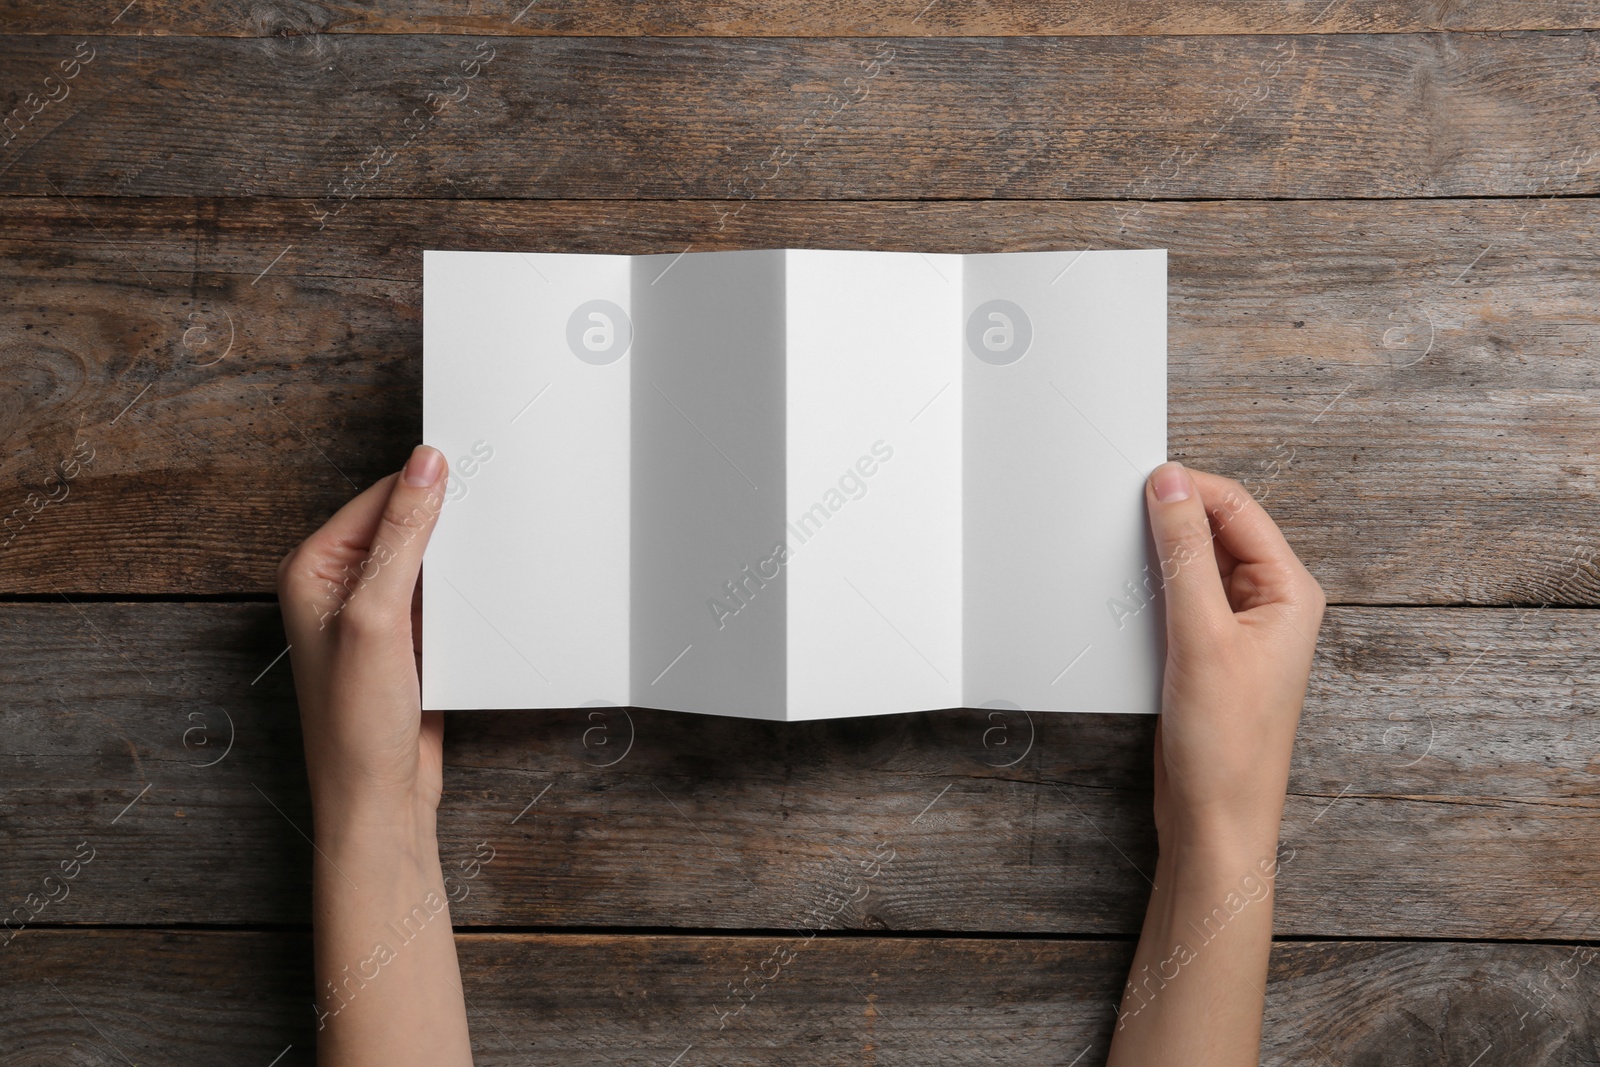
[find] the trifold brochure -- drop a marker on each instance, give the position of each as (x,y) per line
(794,484)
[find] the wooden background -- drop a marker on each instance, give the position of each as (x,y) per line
(1383,315)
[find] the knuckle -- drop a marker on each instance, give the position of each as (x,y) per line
(404,518)
(1233,487)
(366,615)
(392,527)
(1233,499)
(293,581)
(1315,596)
(1183,545)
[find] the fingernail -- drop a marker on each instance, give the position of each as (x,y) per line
(1171,483)
(424,467)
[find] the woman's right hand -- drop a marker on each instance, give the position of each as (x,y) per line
(1242,620)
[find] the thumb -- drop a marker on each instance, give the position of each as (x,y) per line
(398,541)
(1195,598)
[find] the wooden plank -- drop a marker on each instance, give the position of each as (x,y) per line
(1395,380)
(1443,786)
(1421,1003)
(240,998)
(1345,115)
(849,18)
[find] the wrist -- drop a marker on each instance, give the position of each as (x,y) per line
(400,827)
(1216,868)
(1213,865)
(1224,836)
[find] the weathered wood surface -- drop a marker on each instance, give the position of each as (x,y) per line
(237,998)
(1409,386)
(804,118)
(1444,785)
(1408,383)
(747,18)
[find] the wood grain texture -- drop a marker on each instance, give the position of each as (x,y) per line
(209,276)
(797,118)
(848,18)
(237,998)
(1408,386)
(1444,785)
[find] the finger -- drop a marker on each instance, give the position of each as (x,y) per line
(1267,571)
(350,528)
(1182,531)
(404,525)
(1243,526)
(323,570)
(416,630)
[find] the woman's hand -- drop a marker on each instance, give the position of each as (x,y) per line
(352,610)
(388,986)
(1242,621)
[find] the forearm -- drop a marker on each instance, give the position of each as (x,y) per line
(388,984)
(1195,992)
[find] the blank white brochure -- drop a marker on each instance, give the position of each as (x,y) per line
(794,484)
